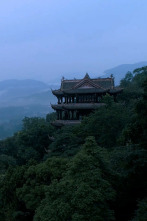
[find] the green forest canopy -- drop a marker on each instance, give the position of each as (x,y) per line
(94,171)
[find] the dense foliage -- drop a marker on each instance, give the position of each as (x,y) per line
(94,171)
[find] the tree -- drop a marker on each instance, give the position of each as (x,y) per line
(129,165)
(84,193)
(105,124)
(141,212)
(23,188)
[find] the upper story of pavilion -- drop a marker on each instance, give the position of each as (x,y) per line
(85,90)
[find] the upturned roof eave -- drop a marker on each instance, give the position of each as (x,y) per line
(56,106)
(57,92)
(116,90)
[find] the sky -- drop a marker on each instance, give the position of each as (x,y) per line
(48,39)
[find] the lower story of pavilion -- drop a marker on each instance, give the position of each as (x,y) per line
(70,114)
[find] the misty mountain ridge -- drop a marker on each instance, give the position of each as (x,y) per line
(16,88)
(24,92)
(28,92)
(120,71)
(42,98)
(29,83)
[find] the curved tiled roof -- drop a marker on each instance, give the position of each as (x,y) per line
(87,85)
(98,82)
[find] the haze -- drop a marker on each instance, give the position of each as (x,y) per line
(47,39)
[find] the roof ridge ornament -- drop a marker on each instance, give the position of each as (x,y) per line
(87,76)
(63,78)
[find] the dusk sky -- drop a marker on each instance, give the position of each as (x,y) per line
(47,39)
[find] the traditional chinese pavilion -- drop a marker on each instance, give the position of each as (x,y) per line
(78,97)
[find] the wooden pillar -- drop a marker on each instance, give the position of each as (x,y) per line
(77,115)
(60,115)
(79,100)
(68,115)
(57,115)
(96,98)
(99,98)
(72,112)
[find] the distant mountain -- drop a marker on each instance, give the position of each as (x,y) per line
(15,88)
(24,92)
(22,83)
(42,98)
(120,71)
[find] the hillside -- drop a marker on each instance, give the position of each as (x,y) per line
(12,91)
(93,171)
(120,71)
